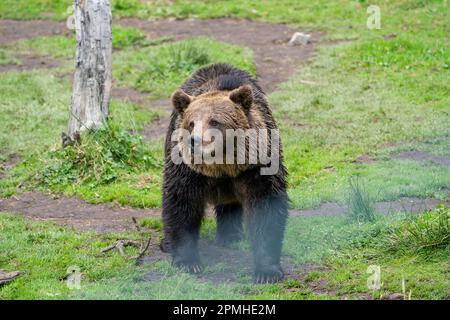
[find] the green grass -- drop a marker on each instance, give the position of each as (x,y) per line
(341,251)
(159,70)
(43,99)
(34,112)
(360,203)
(58,47)
(340,113)
(413,256)
(43,253)
(33,130)
(7,58)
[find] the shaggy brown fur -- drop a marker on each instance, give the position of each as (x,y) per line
(222,97)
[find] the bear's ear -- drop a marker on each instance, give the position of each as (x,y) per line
(243,96)
(180,100)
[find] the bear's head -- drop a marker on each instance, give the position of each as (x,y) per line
(204,121)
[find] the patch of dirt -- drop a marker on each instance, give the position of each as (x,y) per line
(31,63)
(364,159)
(73,212)
(13,30)
(131,96)
(224,265)
(9,164)
(156,129)
(423,156)
(276,61)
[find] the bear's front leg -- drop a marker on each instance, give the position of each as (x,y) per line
(266,224)
(182,216)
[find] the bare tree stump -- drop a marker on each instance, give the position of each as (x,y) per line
(89,107)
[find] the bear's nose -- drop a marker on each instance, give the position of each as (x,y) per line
(196,141)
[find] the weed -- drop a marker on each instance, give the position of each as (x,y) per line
(420,233)
(98,158)
(360,203)
(152,223)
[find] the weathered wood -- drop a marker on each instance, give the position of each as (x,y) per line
(7,277)
(89,107)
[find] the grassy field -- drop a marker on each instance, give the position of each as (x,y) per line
(367,94)
(341,250)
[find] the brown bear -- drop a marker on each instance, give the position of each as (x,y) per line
(220,98)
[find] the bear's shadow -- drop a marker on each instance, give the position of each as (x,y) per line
(222,264)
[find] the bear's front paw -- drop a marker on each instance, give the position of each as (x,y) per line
(191,266)
(269,274)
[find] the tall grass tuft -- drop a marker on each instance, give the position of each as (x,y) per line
(428,230)
(172,61)
(360,203)
(98,158)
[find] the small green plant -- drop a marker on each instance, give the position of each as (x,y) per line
(360,203)
(124,37)
(208,229)
(7,58)
(180,59)
(98,158)
(152,223)
(428,230)
(161,66)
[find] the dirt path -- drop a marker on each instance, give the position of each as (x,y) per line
(73,212)
(30,63)
(13,30)
(422,156)
(76,213)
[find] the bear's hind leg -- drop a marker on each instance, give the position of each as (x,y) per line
(229,224)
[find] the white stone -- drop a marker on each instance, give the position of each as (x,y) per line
(299,38)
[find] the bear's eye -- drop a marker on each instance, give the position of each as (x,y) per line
(214,123)
(191,125)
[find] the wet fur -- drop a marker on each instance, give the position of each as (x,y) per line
(259,200)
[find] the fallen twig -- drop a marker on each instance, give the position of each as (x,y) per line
(143,249)
(6,277)
(119,246)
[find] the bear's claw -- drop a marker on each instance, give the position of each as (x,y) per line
(190,267)
(269,275)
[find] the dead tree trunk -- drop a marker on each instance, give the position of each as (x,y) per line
(89,107)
